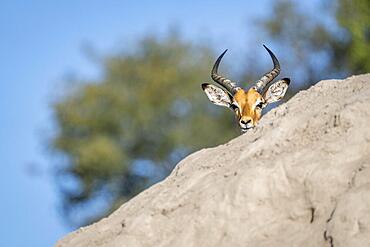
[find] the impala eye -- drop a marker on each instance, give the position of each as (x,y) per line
(234,107)
(259,105)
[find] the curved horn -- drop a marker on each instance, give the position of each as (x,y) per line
(268,77)
(231,86)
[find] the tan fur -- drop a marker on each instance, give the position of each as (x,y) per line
(247,103)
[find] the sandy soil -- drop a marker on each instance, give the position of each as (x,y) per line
(301,178)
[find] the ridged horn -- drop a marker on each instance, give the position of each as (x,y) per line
(230,86)
(268,77)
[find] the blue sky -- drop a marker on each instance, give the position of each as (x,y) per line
(41,42)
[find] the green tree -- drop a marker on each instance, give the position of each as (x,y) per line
(331,41)
(120,134)
(354,17)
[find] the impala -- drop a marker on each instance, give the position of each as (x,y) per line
(247,104)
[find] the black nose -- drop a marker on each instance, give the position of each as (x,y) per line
(245,122)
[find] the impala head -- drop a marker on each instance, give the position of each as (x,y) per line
(247,103)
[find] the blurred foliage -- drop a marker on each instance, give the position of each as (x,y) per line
(118,135)
(354,17)
(332,40)
(146,114)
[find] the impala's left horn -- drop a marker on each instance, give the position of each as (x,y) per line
(268,77)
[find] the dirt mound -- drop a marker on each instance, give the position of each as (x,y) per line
(301,178)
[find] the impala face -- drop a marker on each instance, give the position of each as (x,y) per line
(247,104)
(248,108)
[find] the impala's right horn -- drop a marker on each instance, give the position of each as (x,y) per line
(231,86)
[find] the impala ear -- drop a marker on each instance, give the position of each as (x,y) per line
(276,91)
(217,95)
